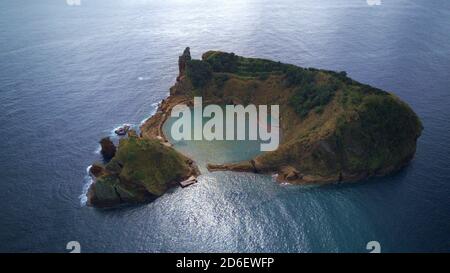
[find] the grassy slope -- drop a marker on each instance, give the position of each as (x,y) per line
(332,126)
(150,163)
(141,170)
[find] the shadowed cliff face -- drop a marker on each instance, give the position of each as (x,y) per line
(108,150)
(182,61)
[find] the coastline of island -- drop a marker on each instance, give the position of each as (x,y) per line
(335,129)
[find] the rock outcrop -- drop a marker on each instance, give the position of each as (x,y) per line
(108,148)
(96,170)
(182,62)
(332,129)
(142,170)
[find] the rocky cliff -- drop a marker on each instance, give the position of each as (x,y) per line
(141,170)
(332,128)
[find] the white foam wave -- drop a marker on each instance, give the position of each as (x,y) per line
(154,108)
(98,150)
(87,182)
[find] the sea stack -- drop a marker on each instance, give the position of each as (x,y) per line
(182,61)
(108,148)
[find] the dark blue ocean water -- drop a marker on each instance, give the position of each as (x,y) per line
(70,74)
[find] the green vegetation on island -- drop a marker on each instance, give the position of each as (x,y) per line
(332,128)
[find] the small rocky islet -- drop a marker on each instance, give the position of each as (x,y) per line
(334,129)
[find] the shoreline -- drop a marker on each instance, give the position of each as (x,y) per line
(324,123)
(328,143)
(153,128)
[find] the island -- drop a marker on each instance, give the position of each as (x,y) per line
(334,129)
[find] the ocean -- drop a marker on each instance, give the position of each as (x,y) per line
(70,74)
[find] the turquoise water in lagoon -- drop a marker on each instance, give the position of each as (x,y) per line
(216,151)
(69,75)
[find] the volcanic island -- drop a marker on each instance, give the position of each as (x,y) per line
(334,129)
